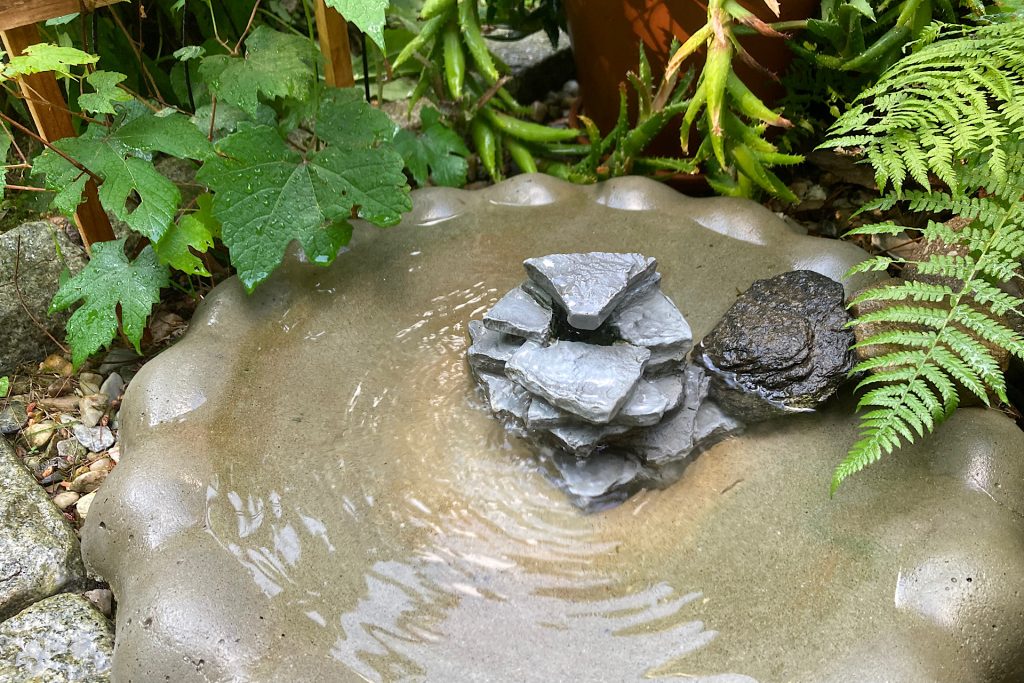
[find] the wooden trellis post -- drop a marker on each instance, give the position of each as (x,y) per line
(44,99)
(333,32)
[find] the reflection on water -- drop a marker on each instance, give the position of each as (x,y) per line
(420,542)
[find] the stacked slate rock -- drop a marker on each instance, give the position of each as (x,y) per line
(587,359)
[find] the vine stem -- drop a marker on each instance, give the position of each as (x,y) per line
(32,134)
(248,27)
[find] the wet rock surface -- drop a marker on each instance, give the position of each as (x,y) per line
(589,286)
(39,552)
(783,346)
(584,390)
(336,504)
(63,639)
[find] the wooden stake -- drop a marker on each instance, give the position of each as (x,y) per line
(45,103)
(333,32)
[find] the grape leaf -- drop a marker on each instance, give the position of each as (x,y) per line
(192,231)
(368,15)
(46,57)
(267,194)
(105,84)
(107,282)
(275,65)
(120,158)
(437,152)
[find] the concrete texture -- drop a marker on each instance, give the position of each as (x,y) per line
(336,504)
(39,553)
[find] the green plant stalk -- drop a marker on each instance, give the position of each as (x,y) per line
(485,141)
(425,36)
(433,8)
(524,160)
(469,22)
(527,131)
(454,60)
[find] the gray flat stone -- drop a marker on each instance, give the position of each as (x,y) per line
(543,415)
(673,437)
(96,439)
(653,321)
(582,438)
(13,417)
(63,639)
(712,425)
(490,350)
(651,399)
(592,478)
(592,382)
(39,553)
(517,313)
(113,386)
(505,396)
(589,286)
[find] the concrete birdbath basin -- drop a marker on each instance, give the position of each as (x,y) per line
(312,488)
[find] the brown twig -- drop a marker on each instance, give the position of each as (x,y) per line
(248,27)
(32,134)
(21,299)
(25,188)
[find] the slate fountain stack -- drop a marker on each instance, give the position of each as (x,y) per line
(587,360)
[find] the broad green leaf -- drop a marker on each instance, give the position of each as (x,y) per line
(106,92)
(368,15)
(228,118)
(275,65)
(120,158)
(267,194)
(46,57)
(345,119)
(192,231)
(437,152)
(5,385)
(108,282)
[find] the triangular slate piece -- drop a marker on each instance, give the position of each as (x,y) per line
(589,286)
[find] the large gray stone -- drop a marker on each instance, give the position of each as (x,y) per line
(518,314)
(651,399)
(63,639)
(339,507)
(783,346)
(490,350)
(593,382)
(33,246)
(39,553)
(589,286)
(506,398)
(652,320)
(673,437)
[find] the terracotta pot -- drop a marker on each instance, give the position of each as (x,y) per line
(605,37)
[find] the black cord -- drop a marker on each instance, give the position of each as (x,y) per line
(366,70)
(188,69)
